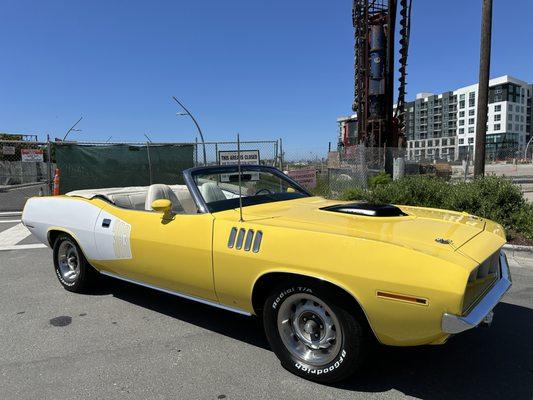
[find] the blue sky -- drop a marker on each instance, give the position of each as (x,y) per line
(265,69)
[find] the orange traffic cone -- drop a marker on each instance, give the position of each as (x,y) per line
(55,189)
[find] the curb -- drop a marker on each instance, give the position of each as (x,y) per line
(517,247)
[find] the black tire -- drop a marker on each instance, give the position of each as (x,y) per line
(86,275)
(347,355)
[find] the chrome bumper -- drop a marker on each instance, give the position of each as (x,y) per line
(483,311)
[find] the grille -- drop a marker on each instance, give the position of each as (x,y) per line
(481,280)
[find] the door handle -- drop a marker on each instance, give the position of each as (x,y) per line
(106,222)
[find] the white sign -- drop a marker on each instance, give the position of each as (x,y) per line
(8,150)
(32,155)
(305,177)
(232,158)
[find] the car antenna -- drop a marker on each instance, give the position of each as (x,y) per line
(239,169)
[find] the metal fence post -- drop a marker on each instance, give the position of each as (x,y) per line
(196,152)
(48,165)
(281,154)
(149,161)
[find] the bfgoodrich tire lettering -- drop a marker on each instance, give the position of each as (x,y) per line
(312,336)
(71,267)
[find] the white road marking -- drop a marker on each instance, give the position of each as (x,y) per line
(13,235)
(11,213)
(23,247)
(8,221)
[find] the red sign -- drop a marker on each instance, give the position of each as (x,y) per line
(305,177)
(32,155)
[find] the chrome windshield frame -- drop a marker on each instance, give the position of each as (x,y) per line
(189,174)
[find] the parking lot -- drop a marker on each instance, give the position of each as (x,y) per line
(124,341)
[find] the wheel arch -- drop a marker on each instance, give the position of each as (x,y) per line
(266,282)
(54,232)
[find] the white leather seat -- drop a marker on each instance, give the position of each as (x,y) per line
(159,191)
(211,192)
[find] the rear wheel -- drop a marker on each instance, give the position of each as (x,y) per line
(71,266)
(312,336)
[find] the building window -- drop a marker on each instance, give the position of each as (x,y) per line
(461,114)
(497,127)
(461,122)
(497,107)
(510,127)
(461,141)
(452,141)
(497,117)
(470,121)
(471,112)
(510,107)
(462,96)
(517,117)
(461,131)
(470,140)
(462,104)
(516,127)
(444,142)
(470,129)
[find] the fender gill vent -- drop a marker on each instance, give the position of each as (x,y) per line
(240,238)
(366,209)
(257,242)
(249,239)
(232,235)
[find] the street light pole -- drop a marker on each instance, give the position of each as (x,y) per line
(187,112)
(483,89)
(72,129)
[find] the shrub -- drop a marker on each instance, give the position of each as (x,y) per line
(380,179)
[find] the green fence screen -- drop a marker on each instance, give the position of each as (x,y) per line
(92,167)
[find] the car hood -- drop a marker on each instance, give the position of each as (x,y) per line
(425,229)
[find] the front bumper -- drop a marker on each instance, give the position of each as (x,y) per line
(483,310)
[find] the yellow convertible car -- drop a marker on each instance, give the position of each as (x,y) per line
(326,277)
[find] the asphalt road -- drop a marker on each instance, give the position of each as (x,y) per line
(125,341)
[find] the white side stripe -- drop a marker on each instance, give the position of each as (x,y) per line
(8,221)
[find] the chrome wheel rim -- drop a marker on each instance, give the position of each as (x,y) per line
(309,329)
(68,261)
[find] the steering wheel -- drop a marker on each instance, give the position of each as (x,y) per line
(263,190)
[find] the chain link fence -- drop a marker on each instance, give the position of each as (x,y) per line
(27,167)
(353,168)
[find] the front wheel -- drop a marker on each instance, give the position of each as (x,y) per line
(72,268)
(312,336)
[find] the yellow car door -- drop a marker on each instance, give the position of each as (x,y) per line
(168,253)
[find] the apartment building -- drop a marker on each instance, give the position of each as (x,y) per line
(442,126)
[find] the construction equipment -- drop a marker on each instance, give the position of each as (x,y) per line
(374,29)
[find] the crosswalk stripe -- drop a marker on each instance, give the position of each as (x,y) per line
(8,221)
(13,235)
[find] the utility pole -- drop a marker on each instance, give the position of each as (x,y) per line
(483,89)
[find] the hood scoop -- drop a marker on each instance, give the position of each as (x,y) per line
(367,210)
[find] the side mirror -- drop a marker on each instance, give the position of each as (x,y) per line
(162,205)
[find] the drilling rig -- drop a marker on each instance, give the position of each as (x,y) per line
(374,22)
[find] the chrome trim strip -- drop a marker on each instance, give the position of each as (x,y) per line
(455,324)
(185,296)
(248,241)
(240,238)
(232,235)
(257,241)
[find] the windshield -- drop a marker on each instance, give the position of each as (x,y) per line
(219,188)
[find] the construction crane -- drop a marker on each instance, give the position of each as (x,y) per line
(378,124)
